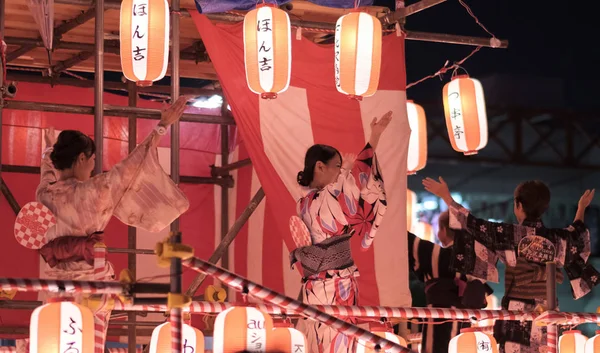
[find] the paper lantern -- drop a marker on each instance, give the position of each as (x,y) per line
(466,118)
(472,340)
(144,36)
(287,340)
(363,347)
(192,339)
(241,329)
(61,327)
(593,344)
(357,54)
(572,342)
(267,50)
(424,231)
(417,145)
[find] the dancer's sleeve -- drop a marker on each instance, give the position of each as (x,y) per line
(47,172)
(572,253)
(140,192)
(361,195)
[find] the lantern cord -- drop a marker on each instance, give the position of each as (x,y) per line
(445,68)
(477,20)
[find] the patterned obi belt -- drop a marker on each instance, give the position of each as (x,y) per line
(71,248)
(331,254)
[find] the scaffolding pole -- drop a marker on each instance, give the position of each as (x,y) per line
(99,86)
(131,231)
(176,313)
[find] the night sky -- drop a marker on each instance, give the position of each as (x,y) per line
(548,39)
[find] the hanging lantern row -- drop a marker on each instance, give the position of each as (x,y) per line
(268,52)
(144,40)
(144,37)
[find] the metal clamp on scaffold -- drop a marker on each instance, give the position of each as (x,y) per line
(214,294)
(166,251)
(178,301)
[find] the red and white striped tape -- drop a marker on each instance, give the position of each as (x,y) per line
(260,292)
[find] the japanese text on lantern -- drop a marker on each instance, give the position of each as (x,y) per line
(298,348)
(456,111)
(264,40)
(73,332)
(187,348)
(338,45)
(257,335)
(457,132)
(139,21)
(483,346)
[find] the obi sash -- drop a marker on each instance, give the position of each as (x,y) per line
(71,248)
(331,254)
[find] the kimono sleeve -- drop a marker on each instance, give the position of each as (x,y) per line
(140,192)
(361,195)
(573,251)
(47,172)
(499,238)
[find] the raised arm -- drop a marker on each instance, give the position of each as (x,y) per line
(500,238)
(359,189)
(47,172)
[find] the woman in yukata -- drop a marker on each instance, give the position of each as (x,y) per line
(344,198)
(136,190)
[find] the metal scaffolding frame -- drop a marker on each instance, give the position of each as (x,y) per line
(220,175)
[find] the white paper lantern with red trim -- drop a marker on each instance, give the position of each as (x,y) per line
(466,116)
(267,50)
(357,59)
(417,145)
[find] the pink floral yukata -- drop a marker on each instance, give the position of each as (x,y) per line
(136,190)
(354,204)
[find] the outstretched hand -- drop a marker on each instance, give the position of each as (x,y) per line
(49,137)
(586,198)
(438,188)
(377,128)
(348,160)
(174,112)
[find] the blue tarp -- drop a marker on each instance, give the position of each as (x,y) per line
(214,6)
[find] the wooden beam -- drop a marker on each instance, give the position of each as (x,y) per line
(111,46)
(401,13)
(58,32)
(112,110)
(117,86)
(72,61)
(410,35)
(9,197)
